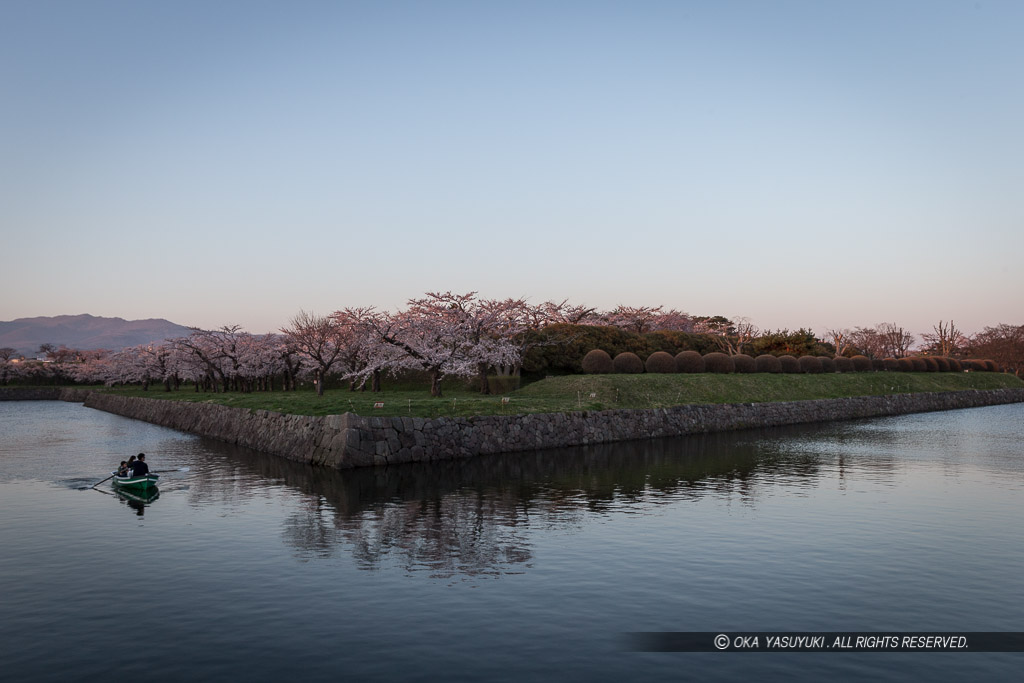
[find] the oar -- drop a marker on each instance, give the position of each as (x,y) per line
(107,479)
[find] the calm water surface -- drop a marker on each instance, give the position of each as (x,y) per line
(524,567)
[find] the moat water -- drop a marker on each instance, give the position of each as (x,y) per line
(520,567)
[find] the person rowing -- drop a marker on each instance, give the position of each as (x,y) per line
(139,467)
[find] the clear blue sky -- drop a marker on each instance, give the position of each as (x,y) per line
(818,164)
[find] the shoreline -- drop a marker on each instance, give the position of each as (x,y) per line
(349,440)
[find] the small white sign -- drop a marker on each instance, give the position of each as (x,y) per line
(378,404)
(504,399)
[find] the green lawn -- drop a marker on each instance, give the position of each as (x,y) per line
(596,392)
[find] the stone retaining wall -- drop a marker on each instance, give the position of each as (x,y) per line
(348,440)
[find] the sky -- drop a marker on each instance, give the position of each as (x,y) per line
(799,164)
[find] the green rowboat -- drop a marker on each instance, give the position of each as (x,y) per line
(144,482)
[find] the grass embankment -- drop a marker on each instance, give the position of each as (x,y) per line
(597,392)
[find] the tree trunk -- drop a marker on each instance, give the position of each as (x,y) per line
(376,381)
(319,383)
(435,383)
(481,371)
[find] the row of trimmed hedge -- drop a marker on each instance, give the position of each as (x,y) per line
(600,362)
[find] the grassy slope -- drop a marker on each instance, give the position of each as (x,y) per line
(573,392)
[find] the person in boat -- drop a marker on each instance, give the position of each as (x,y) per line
(122,469)
(139,467)
(128,466)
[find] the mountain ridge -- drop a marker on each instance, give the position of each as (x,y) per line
(85,332)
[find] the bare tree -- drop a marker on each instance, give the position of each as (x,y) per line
(896,341)
(945,340)
(743,333)
(868,340)
(1003,343)
(841,339)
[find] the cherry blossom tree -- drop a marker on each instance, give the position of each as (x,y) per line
(318,339)
(563,312)
(528,327)
(263,359)
(223,354)
(441,334)
(199,347)
(640,319)
(673,320)
(359,338)
(190,366)
(371,354)
(8,369)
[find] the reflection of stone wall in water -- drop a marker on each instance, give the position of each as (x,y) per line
(43,394)
(463,517)
(349,440)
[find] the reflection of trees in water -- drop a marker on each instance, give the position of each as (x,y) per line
(472,533)
(468,516)
(469,532)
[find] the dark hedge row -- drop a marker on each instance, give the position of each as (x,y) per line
(600,362)
(560,349)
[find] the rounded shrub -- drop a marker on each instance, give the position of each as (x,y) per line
(628,363)
(598,362)
(891,364)
(943,363)
(954,365)
(660,362)
(789,364)
(689,361)
(878,364)
(992,366)
(843,364)
(862,364)
(718,362)
(811,364)
(906,365)
(767,363)
(743,363)
(930,364)
(828,365)
(919,365)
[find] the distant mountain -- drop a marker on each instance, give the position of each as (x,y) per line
(84,332)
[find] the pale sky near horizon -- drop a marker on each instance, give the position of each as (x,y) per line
(801,164)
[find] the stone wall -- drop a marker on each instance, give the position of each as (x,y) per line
(349,440)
